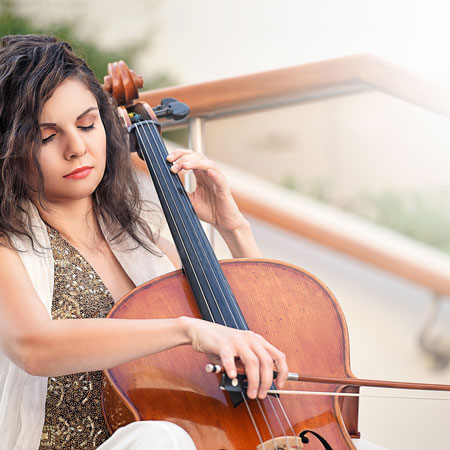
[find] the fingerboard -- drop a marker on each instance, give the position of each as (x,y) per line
(214,297)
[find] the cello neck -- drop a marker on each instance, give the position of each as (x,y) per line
(214,297)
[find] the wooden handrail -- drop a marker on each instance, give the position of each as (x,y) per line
(409,264)
(303,83)
(338,230)
(307,82)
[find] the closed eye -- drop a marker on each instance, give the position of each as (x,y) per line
(88,128)
(48,139)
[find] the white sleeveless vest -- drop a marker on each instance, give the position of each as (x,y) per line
(22,396)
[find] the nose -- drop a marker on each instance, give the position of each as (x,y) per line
(75,145)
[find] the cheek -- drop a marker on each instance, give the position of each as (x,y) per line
(46,164)
(50,169)
(32,177)
(101,148)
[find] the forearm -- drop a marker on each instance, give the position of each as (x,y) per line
(70,346)
(241,241)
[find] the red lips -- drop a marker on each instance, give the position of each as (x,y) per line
(80,172)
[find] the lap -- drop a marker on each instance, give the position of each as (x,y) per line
(159,435)
(149,435)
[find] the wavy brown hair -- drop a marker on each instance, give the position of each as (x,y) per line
(31,68)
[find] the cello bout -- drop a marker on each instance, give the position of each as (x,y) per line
(116,411)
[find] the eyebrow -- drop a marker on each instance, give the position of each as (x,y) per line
(92,108)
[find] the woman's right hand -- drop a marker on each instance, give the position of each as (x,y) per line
(227,344)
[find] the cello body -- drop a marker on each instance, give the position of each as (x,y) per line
(286,305)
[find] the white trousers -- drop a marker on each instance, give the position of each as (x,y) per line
(149,435)
(158,435)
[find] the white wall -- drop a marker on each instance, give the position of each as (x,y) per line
(384,315)
(199,40)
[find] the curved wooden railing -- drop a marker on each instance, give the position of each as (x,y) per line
(338,76)
(304,83)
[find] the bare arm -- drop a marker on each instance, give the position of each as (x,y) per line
(241,241)
(214,203)
(45,347)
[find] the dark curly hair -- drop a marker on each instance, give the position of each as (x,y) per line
(31,68)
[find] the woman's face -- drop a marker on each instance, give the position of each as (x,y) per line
(73,152)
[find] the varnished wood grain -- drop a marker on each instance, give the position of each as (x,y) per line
(287,306)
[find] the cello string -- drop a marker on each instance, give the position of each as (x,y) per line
(253,420)
(206,249)
(269,427)
(163,153)
(163,193)
(181,217)
(265,419)
(152,130)
(287,420)
(280,404)
(353,394)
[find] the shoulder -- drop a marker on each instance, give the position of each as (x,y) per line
(29,235)
(9,255)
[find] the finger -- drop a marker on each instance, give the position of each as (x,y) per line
(181,155)
(266,375)
(217,177)
(177,153)
(265,369)
(193,163)
(251,363)
(282,368)
(228,363)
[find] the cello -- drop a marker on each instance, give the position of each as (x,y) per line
(286,305)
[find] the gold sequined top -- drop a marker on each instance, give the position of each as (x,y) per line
(73,413)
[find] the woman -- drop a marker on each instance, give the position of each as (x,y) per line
(72,242)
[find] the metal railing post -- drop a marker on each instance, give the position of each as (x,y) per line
(197,144)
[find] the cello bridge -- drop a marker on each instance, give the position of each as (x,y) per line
(282,443)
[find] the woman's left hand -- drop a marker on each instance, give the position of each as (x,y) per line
(212,199)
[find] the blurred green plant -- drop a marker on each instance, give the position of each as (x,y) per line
(419,215)
(289,181)
(319,188)
(179,135)
(12,21)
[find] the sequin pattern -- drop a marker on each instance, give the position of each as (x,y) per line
(73,414)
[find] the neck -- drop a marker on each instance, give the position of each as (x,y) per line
(75,221)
